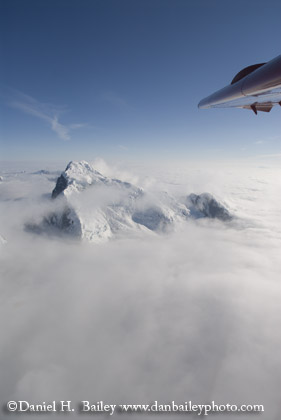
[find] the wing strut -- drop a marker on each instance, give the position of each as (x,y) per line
(253,107)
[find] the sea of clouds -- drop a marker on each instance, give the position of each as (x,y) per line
(190,315)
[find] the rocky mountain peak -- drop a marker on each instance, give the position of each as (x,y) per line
(77,176)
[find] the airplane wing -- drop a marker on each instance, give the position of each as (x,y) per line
(257,87)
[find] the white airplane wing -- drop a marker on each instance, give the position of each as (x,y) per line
(257,87)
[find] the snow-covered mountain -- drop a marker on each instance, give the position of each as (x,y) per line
(89,205)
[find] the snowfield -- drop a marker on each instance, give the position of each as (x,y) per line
(136,283)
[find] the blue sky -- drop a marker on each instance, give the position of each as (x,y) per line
(122,78)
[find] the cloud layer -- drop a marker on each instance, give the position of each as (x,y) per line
(193,315)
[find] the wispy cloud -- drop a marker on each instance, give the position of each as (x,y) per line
(267,140)
(114,99)
(44,111)
(122,147)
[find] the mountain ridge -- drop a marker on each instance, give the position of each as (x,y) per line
(94,207)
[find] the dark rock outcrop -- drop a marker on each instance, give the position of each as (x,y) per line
(60,186)
(205,205)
